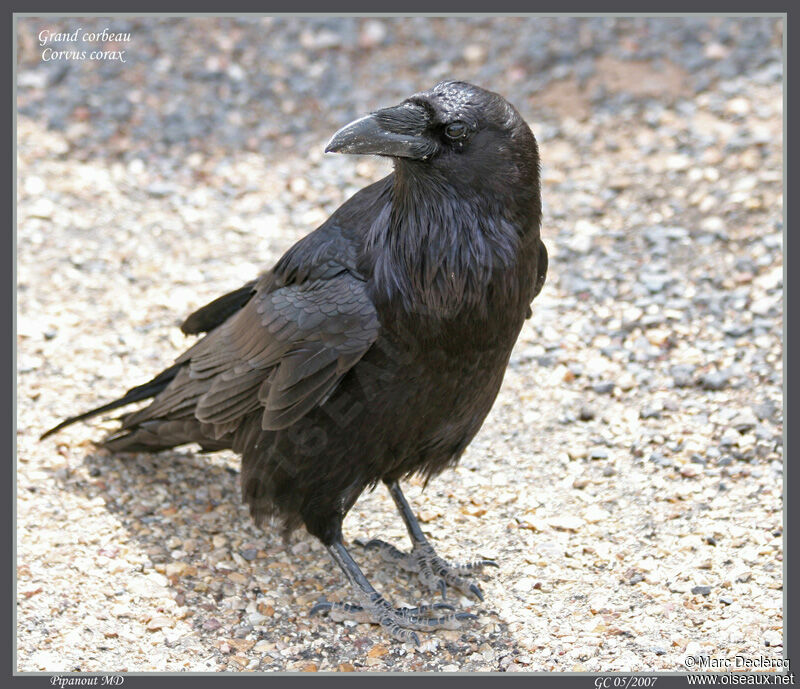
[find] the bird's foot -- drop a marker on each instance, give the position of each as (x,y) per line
(401,623)
(434,572)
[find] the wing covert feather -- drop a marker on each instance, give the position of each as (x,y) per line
(285,350)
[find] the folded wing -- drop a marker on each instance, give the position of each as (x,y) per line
(283,353)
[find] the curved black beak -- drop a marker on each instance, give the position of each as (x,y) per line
(398,132)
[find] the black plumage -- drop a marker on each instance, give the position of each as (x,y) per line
(376,346)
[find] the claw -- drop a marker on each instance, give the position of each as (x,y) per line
(466,616)
(415,639)
(478,593)
(443,587)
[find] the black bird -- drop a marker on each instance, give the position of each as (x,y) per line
(375,347)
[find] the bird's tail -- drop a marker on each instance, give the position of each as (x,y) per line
(140,392)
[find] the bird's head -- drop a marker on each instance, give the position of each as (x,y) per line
(456,131)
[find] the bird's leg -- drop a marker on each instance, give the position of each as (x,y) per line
(434,572)
(372,607)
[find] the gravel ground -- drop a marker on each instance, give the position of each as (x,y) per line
(629,478)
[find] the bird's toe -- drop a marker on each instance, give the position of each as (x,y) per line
(435,574)
(402,622)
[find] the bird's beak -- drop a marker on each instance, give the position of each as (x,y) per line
(398,132)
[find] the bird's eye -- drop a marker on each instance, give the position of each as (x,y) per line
(456,130)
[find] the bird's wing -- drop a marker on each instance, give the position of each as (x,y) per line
(211,315)
(280,343)
(284,351)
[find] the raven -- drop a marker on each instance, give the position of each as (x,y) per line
(376,346)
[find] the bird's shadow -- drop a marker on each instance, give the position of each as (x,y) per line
(184,511)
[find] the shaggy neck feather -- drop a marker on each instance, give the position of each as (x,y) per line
(440,250)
